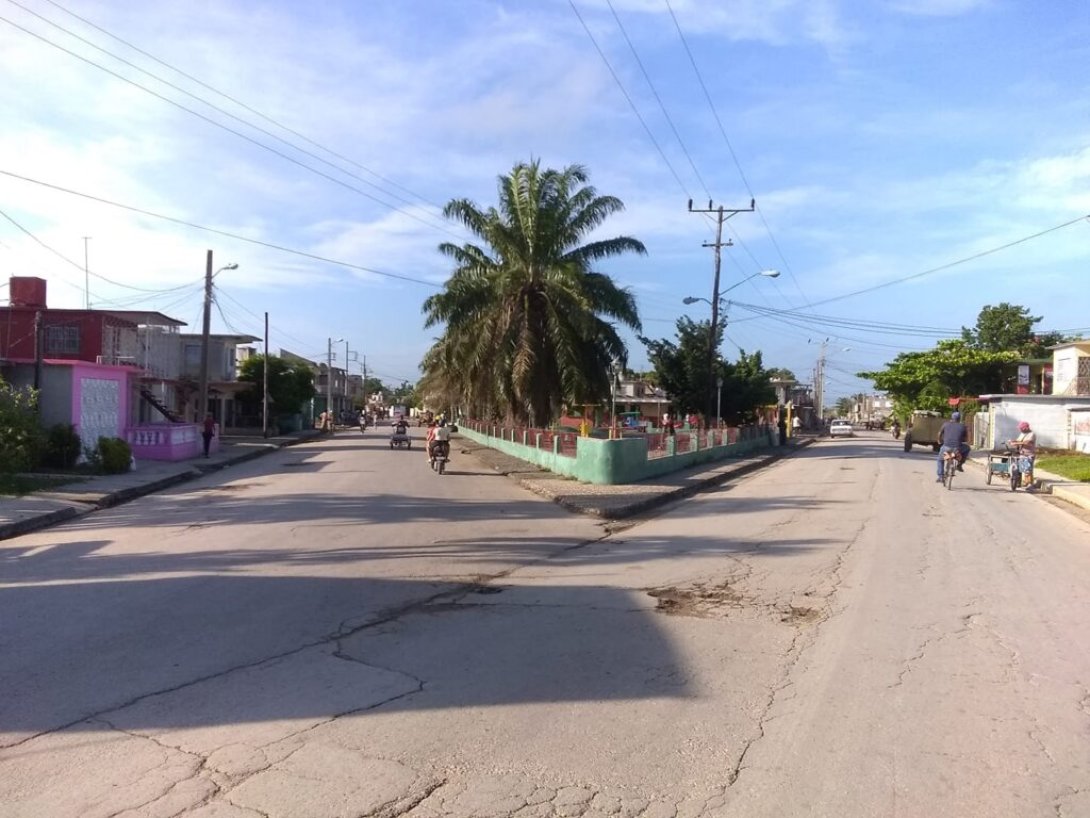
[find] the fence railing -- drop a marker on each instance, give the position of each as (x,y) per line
(558,441)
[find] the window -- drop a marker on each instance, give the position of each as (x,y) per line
(62,340)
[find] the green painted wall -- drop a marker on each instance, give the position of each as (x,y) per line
(613,462)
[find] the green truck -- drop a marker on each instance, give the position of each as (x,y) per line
(923,429)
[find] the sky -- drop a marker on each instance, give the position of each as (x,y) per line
(911,161)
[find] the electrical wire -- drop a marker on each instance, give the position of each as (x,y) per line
(730,148)
(233,131)
(658,98)
(218,232)
(244,106)
(64,258)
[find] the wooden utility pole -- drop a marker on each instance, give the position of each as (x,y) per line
(722,214)
(38,354)
(202,394)
(265,384)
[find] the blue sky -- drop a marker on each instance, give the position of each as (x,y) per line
(887,144)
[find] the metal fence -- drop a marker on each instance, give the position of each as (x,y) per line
(562,441)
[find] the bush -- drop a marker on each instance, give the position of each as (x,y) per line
(62,447)
(20,434)
(114,456)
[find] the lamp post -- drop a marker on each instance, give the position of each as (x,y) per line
(714,302)
(202,389)
(719,401)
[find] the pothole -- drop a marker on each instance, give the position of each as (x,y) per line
(699,600)
(797,615)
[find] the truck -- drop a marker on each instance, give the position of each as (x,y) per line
(923,429)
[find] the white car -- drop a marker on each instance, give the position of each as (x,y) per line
(841,428)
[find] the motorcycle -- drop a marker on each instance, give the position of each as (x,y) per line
(440,455)
(896,429)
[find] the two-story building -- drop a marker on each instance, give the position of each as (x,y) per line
(114,373)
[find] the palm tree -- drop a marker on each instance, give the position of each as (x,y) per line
(529,326)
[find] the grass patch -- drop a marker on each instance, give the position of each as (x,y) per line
(20,484)
(1072,465)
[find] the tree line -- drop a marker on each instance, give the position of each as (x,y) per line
(982,361)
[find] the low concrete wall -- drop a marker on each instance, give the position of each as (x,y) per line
(614,462)
(168,441)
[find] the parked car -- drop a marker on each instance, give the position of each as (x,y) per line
(841,428)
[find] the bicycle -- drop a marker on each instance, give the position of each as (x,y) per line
(949,468)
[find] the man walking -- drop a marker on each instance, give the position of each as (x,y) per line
(208,431)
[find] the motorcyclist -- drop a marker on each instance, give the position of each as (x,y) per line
(438,432)
(896,428)
(953,437)
(401,427)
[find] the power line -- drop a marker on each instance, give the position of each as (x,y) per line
(218,232)
(631,104)
(730,147)
(64,258)
(230,130)
(658,99)
(951,264)
(244,106)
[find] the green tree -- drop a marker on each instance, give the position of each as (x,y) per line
(1003,328)
(681,368)
(20,432)
(528,324)
(924,380)
(781,374)
(291,385)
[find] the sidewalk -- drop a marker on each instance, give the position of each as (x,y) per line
(31,512)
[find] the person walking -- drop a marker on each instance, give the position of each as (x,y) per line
(208,431)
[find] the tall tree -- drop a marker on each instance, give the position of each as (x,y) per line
(290,385)
(1002,328)
(681,368)
(528,324)
(924,380)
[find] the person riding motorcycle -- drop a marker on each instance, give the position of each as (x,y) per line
(896,428)
(953,437)
(401,427)
(438,433)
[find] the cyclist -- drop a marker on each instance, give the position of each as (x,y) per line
(953,436)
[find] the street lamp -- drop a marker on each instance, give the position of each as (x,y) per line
(329,382)
(714,302)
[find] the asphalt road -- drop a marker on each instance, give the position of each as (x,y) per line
(334,630)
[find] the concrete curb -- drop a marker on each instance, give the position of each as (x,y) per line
(121,496)
(537,482)
(32,524)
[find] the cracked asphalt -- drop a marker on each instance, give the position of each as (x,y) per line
(333,630)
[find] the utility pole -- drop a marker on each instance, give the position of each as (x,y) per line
(265,384)
(86,276)
(819,381)
(38,354)
(206,329)
(722,214)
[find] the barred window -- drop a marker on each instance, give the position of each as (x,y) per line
(62,340)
